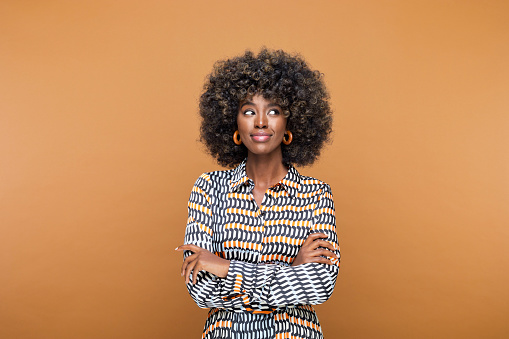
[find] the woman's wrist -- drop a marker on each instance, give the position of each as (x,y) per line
(223,268)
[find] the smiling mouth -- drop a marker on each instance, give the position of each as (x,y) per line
(260,137)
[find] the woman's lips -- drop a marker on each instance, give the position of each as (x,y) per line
(260,137)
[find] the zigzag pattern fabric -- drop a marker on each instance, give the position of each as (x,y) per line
(262,296)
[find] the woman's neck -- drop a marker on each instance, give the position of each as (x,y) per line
(265,171)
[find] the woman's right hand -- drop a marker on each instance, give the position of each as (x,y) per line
(310,251)
(201,259)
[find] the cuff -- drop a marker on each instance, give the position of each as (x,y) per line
(238,279)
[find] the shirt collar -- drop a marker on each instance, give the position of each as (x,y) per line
(239,176)
(291,182)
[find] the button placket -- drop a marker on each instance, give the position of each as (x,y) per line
(267,203)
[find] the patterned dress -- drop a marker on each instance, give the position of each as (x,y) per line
(262,296)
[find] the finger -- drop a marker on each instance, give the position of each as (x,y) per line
(186,262)
(184,269)
(322,243)
(191,267)
(188,247)
(316,259)
(321,260)
(319,243)
(196,270)
(313,236)
(324,252)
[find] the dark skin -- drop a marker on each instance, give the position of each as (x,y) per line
(261,126)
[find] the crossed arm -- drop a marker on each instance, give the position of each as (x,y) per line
(314,250)
(216,282)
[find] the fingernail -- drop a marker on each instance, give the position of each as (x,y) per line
(176,248)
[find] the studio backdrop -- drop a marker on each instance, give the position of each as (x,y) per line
(99,150)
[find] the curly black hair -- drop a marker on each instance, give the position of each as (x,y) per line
(278,76)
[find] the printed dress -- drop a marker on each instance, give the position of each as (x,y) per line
(262,296)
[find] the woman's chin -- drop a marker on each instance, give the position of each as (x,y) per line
(264,151)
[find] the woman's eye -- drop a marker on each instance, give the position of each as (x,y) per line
(249,112)
(274,112)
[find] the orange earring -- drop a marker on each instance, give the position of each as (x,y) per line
(287,141)
(236,138)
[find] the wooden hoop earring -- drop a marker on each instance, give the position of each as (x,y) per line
(236,138)
(290,138)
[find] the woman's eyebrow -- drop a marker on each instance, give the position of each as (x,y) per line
(246,103)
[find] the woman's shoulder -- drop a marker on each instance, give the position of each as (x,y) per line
(315,189)
(214,179)
(311,184)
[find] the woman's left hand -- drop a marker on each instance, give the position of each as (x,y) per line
(202,259)
(315,250)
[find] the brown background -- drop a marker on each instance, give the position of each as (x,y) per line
(99,151)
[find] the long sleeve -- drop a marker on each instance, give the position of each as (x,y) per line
(209,290)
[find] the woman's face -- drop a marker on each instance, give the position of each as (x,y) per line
(261,125)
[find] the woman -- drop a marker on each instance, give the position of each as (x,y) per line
(261,243)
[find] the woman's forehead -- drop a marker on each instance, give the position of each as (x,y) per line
(258,98)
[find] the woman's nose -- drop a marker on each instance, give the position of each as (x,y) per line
(261,121)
